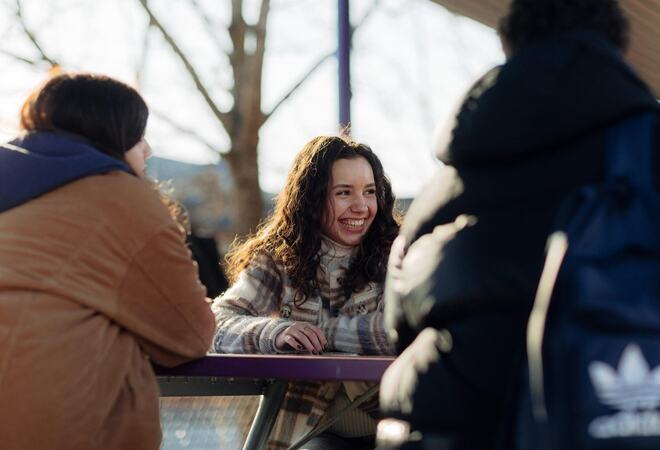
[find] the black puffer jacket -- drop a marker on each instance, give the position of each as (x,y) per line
(528,133)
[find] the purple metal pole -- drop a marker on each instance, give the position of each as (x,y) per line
(344,62)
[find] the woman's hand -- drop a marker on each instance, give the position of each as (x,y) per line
(302,336)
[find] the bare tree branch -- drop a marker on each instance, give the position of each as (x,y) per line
(237,35)
(367,15)
(224,118)
(258,60)
(247,68)
(30,35)
(185,130)
(263,16)
(142,62)
(209,26)
(319,63)
(24,59)
(237,28)
(300,82)
(259,29)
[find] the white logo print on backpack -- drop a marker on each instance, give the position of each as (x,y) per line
(633,389)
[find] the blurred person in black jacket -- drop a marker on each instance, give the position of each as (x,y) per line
(464,270)
(205,253)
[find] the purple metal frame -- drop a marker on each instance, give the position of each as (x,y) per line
(289,367)
(344,32)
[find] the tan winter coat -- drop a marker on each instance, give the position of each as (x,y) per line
(95,283)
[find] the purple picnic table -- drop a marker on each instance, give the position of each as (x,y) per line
(265,375)
(291,367)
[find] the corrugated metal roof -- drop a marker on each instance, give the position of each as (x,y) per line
(644,15)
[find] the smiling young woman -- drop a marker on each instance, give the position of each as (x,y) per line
(311,280)
(351,201)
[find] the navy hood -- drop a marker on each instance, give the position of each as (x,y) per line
(40,162)
(550,92)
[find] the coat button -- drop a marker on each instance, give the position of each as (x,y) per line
(285,311)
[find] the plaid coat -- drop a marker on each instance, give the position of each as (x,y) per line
(260,305)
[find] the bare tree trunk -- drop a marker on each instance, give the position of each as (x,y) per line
(247,200)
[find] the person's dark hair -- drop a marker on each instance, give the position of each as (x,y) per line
(111,115)
(291,235)
(531,20)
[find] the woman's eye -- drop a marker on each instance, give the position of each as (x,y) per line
(343,193)
(370,192)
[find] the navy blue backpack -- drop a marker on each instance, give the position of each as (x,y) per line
(593,338)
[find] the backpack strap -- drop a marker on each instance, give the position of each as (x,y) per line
(628,153)
(557,247)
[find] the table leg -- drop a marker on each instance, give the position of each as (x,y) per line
(263,422)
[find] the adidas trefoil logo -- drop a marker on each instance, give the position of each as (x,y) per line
(634,389)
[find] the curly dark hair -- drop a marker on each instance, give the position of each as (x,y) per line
(291,235)
(531,20)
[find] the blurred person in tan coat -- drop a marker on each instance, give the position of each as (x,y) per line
(95,279)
